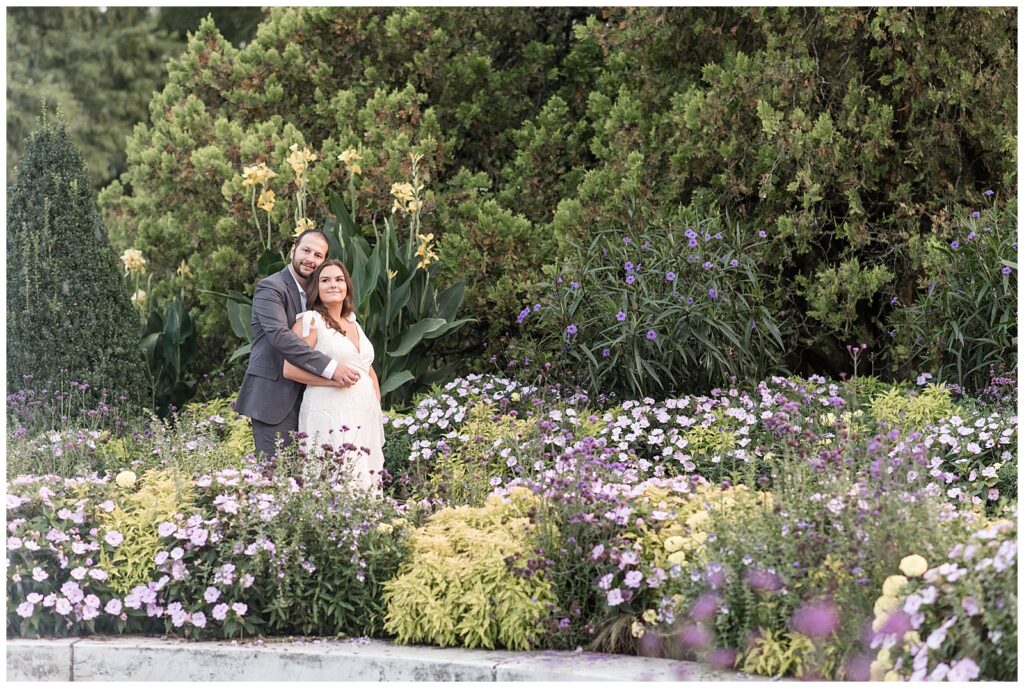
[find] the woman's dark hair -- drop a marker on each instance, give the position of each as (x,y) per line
(313,301)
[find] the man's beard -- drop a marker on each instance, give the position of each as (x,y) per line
(297,266)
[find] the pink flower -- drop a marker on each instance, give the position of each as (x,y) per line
(964,670)
(113,538)
(614,597)
(34,597)
(166,529)
(89,613)
(220,612)
(62,606)
(72,592)
(633,579)
(25,609)
(113,607)
(92,601)
(199,620)
(240,608)
(39,575)
(160,558)
(78,573)
(211,595)
(247,580)
(816,619)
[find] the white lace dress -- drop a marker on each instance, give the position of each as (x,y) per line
(336,416)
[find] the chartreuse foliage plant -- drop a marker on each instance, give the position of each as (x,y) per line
(459,585)
(915,409)
(138,506)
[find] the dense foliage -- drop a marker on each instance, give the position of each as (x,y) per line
(68,313)
(850,136)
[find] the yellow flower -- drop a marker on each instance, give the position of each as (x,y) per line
(125,479)
(266,201)
(414,206)
(913,565)
(674,543)
(650,616)
(183,270)
(911,640)
(885,658)
(392,274)
(403,191)
(133,261)
(304,225)
(892,676)
(425,238)
(879,621)
(257,174)
(877,670)
(139,298)
(385,528)
(299,160)
(637,629)
(351,159)
(886,605)
(892,585)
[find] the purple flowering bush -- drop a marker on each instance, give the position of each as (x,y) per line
(962,318)
(663,310)
(246,553)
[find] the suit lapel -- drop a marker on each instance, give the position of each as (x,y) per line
(294,305)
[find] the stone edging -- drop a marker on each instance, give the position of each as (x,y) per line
(138,658)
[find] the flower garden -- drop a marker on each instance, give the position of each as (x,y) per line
(617,419)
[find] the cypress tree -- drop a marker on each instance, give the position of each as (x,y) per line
(68,312)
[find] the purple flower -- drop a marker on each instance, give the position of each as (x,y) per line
(733,263)
(761,233)
(211,595)
(114,538)
(1006,270)
(692,242)
(605,353)
(113,607)
(240,608)
(633,579)
(975,214)
(628,266)
(694,636)
(954,244)
(25,609)
(199,620)
(670,276)
(166,528)
(652,335)
(630,279)
(571,330)
(712,293)
(964,670)
(536,307)
(521,317)
(705,606)
(574,284)
(620,316)
(220,612)
(988,192)
(627,240)
(707,265)
(614,597)
(816,619)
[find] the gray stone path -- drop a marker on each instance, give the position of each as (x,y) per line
(137,658)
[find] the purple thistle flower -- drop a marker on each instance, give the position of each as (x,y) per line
(652,335)
(620,316)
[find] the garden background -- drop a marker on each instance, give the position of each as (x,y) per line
(692,267)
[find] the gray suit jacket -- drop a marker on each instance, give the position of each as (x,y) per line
(266,395)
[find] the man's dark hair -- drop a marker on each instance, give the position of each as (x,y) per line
(298,239)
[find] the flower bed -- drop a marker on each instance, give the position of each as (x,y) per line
(751,528)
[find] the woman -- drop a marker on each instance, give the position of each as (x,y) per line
(331,414)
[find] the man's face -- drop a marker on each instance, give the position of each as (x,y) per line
(308,254)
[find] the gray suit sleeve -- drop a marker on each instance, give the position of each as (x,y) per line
(268,308)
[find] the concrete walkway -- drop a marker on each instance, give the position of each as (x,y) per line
(137,658)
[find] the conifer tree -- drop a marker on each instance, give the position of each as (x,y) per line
(68,312)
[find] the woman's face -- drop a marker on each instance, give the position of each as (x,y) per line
(333,288)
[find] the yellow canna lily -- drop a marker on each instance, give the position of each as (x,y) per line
(133,261)
(303,225)
(267,200)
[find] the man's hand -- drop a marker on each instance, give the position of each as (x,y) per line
(345,376)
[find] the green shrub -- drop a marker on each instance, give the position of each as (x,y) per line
(68,313)
(457,588)
(914,411)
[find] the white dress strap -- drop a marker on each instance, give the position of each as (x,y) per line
(308,318)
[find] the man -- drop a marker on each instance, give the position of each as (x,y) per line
(271,400)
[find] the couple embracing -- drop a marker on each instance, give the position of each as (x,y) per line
(310,369)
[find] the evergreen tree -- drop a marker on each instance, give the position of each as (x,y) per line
(68,313)
(100,66)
